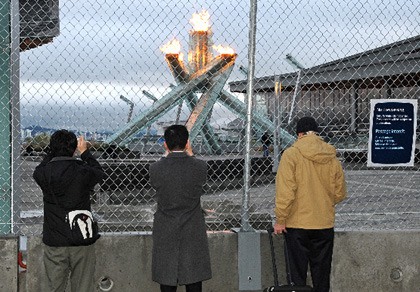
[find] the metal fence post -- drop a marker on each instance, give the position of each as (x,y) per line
(245,226)
(5,127)
(248,240)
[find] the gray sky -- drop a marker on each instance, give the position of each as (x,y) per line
(108,48)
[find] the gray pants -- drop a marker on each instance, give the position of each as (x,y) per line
(78,261)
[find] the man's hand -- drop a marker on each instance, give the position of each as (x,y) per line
(278,228)
(81,144)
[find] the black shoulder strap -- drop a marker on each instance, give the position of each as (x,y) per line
(49,184)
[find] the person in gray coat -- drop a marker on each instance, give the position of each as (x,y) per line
(180,248)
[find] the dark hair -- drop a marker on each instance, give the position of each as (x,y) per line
(306,124)
(176,137)
(63,143)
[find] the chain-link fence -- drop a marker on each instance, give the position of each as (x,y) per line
(119,72)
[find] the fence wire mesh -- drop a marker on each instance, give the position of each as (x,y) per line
(119,72)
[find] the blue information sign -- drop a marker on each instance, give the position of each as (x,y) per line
(392,134)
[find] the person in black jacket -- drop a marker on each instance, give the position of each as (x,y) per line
(67,183)
(266,142)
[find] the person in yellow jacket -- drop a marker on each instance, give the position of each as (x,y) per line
(309,183)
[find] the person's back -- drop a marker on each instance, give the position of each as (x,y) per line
(178,180)
(67,183)
(309,183)
(180,249)
(318,182)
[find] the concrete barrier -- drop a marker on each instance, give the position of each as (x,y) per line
(363,261)
(376,261)
(9,263)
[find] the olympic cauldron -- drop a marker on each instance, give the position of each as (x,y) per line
(200,85)
(206,74)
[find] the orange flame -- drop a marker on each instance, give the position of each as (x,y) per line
(171,47)
(224,50)
(200,21)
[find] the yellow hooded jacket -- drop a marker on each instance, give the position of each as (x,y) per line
(309,183)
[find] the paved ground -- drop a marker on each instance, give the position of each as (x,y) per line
(378,199)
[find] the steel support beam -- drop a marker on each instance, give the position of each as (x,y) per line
(205,104)
(198,80)
(259,122)
(181,76)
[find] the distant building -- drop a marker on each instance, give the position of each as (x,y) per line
(338,93)
(25,133)
(162,125)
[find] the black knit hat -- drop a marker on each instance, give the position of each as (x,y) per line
(306,124)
